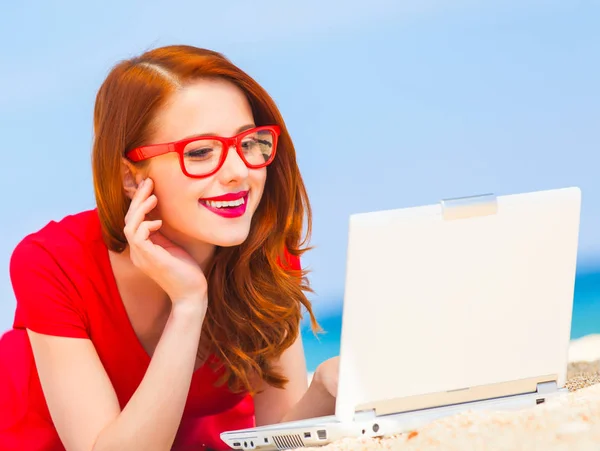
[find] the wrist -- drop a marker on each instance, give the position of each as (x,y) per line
(189,306)
(191,296)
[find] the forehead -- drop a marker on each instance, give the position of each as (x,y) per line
(204,106)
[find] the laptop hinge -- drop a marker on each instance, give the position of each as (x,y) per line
(544,388)
(365,415)
(541,384)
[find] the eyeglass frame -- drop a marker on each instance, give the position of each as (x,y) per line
(154,150)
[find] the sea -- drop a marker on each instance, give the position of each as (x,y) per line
(585,320)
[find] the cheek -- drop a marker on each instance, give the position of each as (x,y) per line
(175,193)
(259,178)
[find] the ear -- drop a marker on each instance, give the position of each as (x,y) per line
(131,177)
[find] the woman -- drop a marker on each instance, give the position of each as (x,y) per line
(171,312)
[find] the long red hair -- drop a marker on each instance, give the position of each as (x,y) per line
(256,299)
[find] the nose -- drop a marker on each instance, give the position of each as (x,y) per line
(234,169)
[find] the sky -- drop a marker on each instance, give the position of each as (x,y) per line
(390,104)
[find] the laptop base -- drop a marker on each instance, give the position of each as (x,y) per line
(325,430)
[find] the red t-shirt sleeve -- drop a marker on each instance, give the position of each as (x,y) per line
(47,299)
(291,261)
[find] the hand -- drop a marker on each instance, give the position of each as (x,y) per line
(327,375)
(171,267)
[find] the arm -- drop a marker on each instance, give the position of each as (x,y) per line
(81,400)
(295,402)
(83,403)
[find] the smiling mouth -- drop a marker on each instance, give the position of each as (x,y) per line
(224,203)
(231,205)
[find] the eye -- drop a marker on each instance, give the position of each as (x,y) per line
(249,143)
(202,152)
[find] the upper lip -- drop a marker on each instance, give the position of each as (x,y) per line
(228,196)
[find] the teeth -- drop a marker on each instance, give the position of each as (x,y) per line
(221,203)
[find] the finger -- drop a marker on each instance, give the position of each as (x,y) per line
(141,194)
(143,247)
(140,242)
(146,228)
(137,216)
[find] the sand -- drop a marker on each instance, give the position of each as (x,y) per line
(570,421)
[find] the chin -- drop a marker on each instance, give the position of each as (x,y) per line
(225,239)
(228,232)
(227,235)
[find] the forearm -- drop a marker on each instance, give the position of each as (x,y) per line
(316,402)
(151,417)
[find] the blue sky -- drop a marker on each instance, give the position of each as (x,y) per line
(390,104)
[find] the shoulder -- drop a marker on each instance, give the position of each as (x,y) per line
(72,229)
(49,270)
(66,238)
(59,251)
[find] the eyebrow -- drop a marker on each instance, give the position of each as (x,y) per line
(243,128)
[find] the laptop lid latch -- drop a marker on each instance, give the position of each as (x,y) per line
(468,207)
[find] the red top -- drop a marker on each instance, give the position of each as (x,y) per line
(64,285)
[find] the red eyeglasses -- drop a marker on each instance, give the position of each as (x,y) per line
(204,155)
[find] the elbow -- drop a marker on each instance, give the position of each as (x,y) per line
(111,440)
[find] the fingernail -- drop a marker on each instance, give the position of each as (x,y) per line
(141,183)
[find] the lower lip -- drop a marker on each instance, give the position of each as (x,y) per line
(228,212)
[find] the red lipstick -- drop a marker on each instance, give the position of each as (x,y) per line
(228,196)
(230,205)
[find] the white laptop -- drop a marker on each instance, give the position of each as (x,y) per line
(461,305)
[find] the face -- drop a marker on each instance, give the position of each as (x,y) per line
(190,218)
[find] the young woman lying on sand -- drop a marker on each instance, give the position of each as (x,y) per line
(171,311)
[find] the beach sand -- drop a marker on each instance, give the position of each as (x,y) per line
(570,421)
